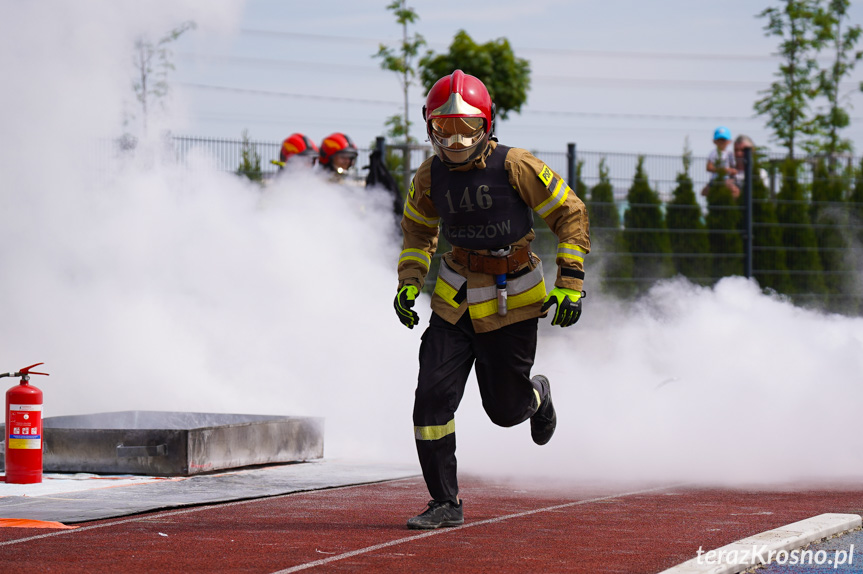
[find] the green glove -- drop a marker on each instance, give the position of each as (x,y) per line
(403,303)
(568,306)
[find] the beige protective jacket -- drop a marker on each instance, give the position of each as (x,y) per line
(458,289)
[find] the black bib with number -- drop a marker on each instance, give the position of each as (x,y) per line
(479,208)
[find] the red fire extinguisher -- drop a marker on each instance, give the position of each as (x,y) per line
(24,429)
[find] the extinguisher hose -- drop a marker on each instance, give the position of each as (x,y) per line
(25,372)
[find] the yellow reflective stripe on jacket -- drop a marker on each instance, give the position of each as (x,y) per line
(529,297)
(434,432)
(558,196)
(412,213)
(415,255)
(514,286)
(445,291)
(521,291)
(448,284)
(570,251)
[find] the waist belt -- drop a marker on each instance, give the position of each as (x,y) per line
(480,263)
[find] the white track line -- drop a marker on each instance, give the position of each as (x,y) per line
(752,550)
(441,531)
(206,506)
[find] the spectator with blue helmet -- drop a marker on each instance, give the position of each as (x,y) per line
(721,162)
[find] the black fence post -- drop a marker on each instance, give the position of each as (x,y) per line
(747,213)
(570,158)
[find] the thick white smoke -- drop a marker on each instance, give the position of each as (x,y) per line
(146,285)
(712,385)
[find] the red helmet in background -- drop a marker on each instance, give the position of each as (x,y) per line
(338,152)
(459,117)
(297,144)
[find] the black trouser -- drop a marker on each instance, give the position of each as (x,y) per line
(503,358)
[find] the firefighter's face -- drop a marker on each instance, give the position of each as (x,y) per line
(342,162)
(457,139)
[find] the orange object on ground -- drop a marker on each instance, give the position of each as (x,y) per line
(25,523)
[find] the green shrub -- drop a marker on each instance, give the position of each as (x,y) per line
(645,234)
(608,248)
(829,214)
(801,255)
(768,251)
(686,229)
(250,160)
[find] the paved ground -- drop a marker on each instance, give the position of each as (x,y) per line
(510,527)
(842,554)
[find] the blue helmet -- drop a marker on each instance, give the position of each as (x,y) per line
(722,133)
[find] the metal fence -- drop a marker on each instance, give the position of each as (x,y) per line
(227,154)
(785,230)
(797,230)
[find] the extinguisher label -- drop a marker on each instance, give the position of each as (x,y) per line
(25,426)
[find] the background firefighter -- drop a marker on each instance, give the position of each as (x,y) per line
(299,146)
(490,289)
(338,154)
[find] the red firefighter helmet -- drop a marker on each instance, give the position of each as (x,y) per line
(297,144)
(338,152)
(459,117)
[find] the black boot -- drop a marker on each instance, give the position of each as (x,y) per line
(438,514)
(544,420)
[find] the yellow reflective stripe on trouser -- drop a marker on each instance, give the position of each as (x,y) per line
(558,196)
(415,255)
(415,215)
(434,432)
(570,251)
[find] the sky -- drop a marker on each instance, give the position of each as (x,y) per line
(144,283)
(617,76)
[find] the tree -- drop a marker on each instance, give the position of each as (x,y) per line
(855,204)
(686,230)
(152,62)
(801,256)
(768,257)
(401,61)
(723,224)
(602,210)
(578,185)
(506,77)
(607,242)
(644,232)
(250,160)
(787,102)
(829,213)
(842,40)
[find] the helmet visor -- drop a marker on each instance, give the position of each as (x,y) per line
(456,133)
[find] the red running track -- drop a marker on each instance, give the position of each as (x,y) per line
(509,527)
